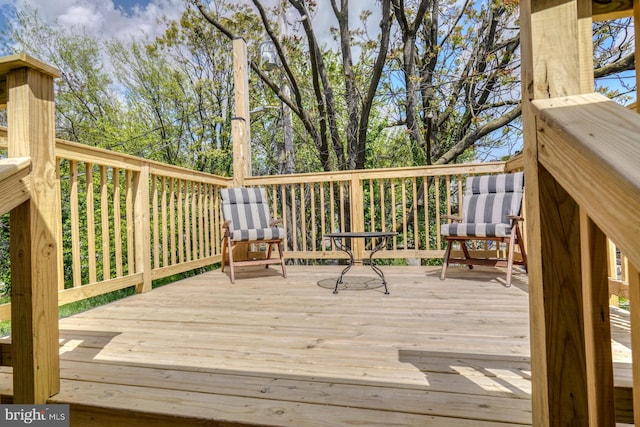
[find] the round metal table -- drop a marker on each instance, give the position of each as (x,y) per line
(339,240)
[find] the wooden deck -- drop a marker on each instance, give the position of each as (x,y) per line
(288,352)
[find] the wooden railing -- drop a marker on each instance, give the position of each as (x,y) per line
(179,229)
(411,201)
(581,203)
(126,221)
(26,90)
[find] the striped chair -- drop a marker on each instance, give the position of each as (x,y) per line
(490,211)
(246,220)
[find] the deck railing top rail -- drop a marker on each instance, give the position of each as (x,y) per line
(601,139)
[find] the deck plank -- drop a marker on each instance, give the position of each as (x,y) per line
(289,352)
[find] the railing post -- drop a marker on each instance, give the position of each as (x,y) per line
(357,214)
(34,232)
(597,329)
(240,129)
(634,300)
(142,243)
(557,60)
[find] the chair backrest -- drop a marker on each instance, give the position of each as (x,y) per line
(490,198)
(247,208)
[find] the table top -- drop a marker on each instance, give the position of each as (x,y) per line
(363,234)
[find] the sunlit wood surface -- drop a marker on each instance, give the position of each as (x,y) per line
(289,352)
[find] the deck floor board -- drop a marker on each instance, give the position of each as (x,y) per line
(288,352)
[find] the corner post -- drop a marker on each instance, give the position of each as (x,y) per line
(356,202)
(557,60)
(240,127)
(34,232)
(142,227)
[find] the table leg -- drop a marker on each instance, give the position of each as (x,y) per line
(381,244)
(347,249)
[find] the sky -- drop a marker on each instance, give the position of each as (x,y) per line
(108,19)
(127,19)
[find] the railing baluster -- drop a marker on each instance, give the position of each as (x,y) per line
(436,185)
(294,218)
(163,207)
(314,233)
(416,224)
(372,212)
(303,217)
(383,207)
(172,219)
(283,197)
(323,228)
(129,219)
(405,239)
(187,219)
(341,213)
(91,229)
(117,224)
(105,220)
(194,220)
(394,213)
(75,224)
(206,191)
(427,228)
(155,247)
(181,246)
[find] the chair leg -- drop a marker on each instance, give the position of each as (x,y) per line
(445,260)
(269,248)
(284,269)
(230,251)
(465,250)
(224,251)
(522,249)
(512,243)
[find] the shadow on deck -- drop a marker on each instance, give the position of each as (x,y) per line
(288,352)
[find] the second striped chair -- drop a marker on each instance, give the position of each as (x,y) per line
(490,211)
(247,220)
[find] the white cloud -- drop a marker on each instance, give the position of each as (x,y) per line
(102,18)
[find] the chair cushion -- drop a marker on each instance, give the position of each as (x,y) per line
(258,234)
(246,208)
(481,229)
(491,198)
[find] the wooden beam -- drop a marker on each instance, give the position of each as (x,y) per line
(553,57)
(22,60)
(636,27)
(5,352)
(3,91)
(599,358)
(240,128)
(14,182)
(142,239)
(356,204)
(34,234)
(624,404)
(607,10)
(634,309)
(600,138)
(94,289)
(618,288)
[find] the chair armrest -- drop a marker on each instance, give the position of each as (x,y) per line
(515,217)
(226,224)
(275,222)
(452,217)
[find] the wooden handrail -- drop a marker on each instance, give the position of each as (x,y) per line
(590,145)
(14,182)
